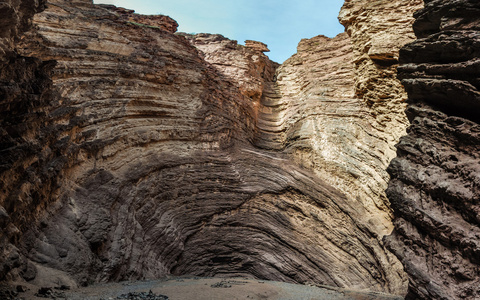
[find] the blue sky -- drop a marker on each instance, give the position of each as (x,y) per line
(280,24)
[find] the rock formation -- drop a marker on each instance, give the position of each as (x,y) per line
(170,170)
(435,187)
(131,152)
(255,45)
(155,21)
(245,66)
(314,114)
(25,97)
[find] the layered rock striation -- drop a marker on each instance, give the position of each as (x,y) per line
(435,179)
(167,173)
(151,153)
(311,112)
(153,21)
(245,66)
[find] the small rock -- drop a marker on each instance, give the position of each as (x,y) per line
(44,292)
(47,292)
(221,284)
(142,296)
(7,294)
(21,289)
(29,272)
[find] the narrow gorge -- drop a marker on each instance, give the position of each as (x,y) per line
(131,151)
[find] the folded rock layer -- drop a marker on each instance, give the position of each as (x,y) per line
(132,152)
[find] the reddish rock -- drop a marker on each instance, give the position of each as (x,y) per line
(257,46)
(156,21)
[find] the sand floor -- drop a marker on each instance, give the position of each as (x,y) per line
(188,288)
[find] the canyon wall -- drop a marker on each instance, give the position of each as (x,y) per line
(378,30)
(435,186)
(132,152)
(26,96)
(170,169)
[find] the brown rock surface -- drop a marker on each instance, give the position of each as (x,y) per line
(16,18)
(245,66)
(255,45)
(311,114)
(25,97)
(159,21)
(435,187)
(378,30)
(150,157)
(165,180)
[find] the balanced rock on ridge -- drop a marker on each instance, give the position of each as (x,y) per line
(255,45)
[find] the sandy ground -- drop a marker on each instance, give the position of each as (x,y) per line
(183,288)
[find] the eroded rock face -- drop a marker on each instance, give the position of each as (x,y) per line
(16,18)
(26,97)
(435,179)
(170,175)
(245,66)
(378,30)
(159,21)
(157,154)
(337,109)
(311,112)
(144,105)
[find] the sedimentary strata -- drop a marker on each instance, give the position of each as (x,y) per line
(435,179)
(166,176)
(151,153)
(245,66)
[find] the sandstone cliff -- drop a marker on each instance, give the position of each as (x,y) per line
(314,112)
(435,179)
(169,173)
(152,153)
(378,30)
(290,107)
